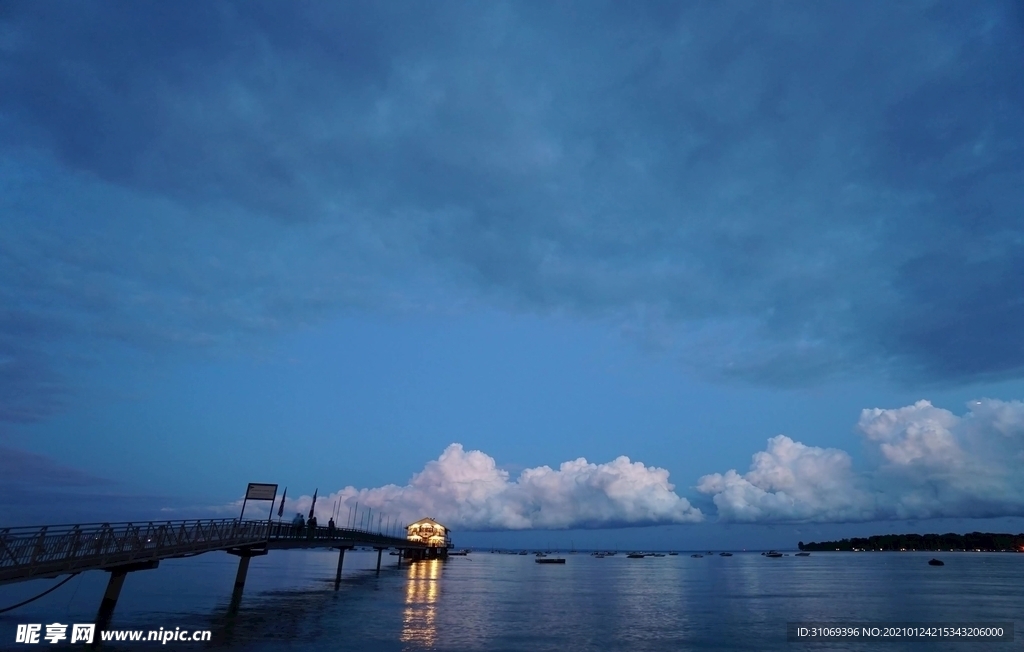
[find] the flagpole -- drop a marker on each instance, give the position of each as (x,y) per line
(270,515)
(280,510)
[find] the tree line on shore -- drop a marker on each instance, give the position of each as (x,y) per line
(987,541)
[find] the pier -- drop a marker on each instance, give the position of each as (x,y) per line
(49,551)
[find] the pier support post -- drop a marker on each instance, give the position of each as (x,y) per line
(379,552)
(110,597)
(341,560)
(243,570)
(113,592)
(244,555)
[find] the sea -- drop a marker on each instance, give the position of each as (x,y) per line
(492,601)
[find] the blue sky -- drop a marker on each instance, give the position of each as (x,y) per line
(319,245)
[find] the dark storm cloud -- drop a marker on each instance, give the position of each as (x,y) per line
(30,388)
(37,489)
(780,191)
(22,468)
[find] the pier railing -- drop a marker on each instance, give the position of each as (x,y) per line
(51,550)
(46,551)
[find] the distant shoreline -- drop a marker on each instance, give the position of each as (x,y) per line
(973,541)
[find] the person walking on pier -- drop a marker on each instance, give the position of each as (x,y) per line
(298,524)
(330,528)
(312,526)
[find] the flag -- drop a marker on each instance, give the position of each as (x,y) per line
(313,504)
(280,510)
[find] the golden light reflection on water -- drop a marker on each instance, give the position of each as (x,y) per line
(421,588)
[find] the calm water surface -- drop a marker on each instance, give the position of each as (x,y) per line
(507,602)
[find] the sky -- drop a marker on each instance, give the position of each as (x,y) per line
(665,274)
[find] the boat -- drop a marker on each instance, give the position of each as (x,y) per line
(541,554)
(672,554)
(936,562)
(803,554)
(599,555)
(550,560)
(772,553)
(394,554)
(460,553)
(697,555)
(725,554)
(522,552)
(635,555)
(656,554)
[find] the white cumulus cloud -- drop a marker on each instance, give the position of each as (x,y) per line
(790,482)
(934,463)
(466,490)
(916,435)
(924,462)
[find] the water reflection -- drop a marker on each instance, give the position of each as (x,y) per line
(419,620)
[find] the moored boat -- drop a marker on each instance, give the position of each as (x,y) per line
(550,560)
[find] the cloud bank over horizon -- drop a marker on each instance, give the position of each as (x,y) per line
(466,490)
(924,462)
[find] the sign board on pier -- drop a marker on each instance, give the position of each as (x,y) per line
(257,491)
